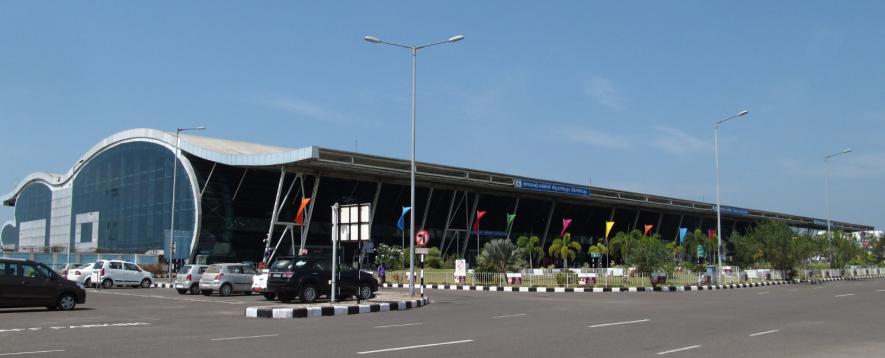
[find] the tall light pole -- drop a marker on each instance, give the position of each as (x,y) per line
(829,214)
(718,203)
(414,50)
(174,177)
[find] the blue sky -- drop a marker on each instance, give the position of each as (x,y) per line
(620,93)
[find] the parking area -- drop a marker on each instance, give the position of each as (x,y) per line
(842,316)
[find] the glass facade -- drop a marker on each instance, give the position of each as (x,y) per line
(127,187)
(33,208)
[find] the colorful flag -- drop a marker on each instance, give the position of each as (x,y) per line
(479,215)
(682,232)
(647,229)
(608,228)
(399,223)
(565,224)
(712,234)
(510,218)
(299,217)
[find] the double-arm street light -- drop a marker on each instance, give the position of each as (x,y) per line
(718,203)
(414,50)
(829,214)
(174,177)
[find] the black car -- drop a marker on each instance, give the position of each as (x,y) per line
(25,283)
(310,277)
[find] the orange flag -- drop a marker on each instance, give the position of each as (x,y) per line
(299,217)
(647,229)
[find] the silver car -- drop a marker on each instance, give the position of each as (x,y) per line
(226,279)
(187,280)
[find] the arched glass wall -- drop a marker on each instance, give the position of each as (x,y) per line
(32,217)
(122,201)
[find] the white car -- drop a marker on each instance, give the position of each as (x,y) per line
(110,273)
(259,285)
(81,275)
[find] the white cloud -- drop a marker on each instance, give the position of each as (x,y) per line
(298,106)
(596,138)
(604,92)
(677,141)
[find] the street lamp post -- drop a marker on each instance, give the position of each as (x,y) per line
(171,255)
(718,203)
(414,51)
(829,214)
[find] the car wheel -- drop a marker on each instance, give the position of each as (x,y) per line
(66,302)
(206,292)
(181,291)
(195,289)
(285,298)
(226,289)
(366,292)
(269,296)
(146,283)
(107,283)
(87,283)
(309,293)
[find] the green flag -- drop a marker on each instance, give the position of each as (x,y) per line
(510,218)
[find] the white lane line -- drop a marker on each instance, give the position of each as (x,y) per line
(766,332)
(618,323)
(413,347)
(761,293)
(512,315)
(678,350)
(247,337)
(34,352)
(399,325)
(845,295)
(880,290)
(817,288)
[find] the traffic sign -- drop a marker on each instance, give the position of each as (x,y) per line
(422,251)
(460,268)
(422,237)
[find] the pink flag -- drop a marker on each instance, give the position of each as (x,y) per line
(479,215)
(647,229)
(565,224)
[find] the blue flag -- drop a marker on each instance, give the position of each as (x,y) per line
(399,223)
(682,232)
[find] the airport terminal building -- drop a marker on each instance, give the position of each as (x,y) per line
(230,196)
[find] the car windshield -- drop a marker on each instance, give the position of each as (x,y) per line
(97,264)
(284,264)
(213,269)
(185,269)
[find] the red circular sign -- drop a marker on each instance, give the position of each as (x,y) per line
(422,237)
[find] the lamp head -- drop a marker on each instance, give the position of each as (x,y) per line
(372,39)
(456,38)
(847,150)
(743,113)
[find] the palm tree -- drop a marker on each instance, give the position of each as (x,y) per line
(530,245)
(564,248)
(600,249)
(623,242)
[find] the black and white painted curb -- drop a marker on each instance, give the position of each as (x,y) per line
(627,289)
(853,278)
(271,312)
(163,285)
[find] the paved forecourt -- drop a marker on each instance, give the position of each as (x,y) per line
(832,319)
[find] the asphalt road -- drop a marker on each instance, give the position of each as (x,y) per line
(838,319)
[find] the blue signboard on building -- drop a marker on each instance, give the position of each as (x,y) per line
(731,210)
(537,185)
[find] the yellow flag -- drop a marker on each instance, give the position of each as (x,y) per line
(608,228)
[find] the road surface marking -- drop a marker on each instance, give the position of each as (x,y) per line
(247,337)
(169,298)
(766,332)
(817,288)
(413,347)
(399,325)
(880,290)
(511,315)
(679,350)
(845,295)
(55,328)
(618,323)
(34,352)
(761,293)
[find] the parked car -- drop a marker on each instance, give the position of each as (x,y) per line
(110,273)
(81,274)
(309,278)
(187,280)
(259,285)
(64,270)
(25,283)
(227,279)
